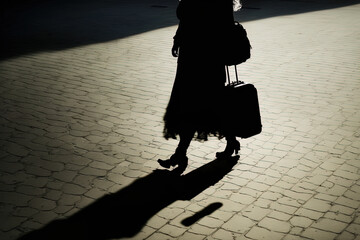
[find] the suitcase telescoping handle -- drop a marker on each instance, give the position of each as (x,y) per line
(236,75)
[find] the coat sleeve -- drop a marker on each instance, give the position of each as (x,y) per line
(179,31)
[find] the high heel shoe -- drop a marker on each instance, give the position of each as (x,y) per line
(182,165)
(174,160)
(231,147)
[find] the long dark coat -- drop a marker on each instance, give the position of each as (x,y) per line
(196,99)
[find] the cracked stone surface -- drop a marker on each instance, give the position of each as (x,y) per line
(82,100)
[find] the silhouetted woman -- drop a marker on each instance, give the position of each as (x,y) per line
(195,107)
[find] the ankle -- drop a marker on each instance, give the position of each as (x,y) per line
(180,151)
(230,139)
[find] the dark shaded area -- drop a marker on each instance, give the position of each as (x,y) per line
(48,25)
(61,24)
(197,216)
(124,213)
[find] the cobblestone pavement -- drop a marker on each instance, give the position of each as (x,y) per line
(82,118)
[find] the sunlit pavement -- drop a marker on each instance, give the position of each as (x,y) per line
(82,118)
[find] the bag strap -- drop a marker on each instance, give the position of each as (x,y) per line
(236,75)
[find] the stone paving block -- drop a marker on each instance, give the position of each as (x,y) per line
(265,179)
(303,212)
(262,233)
(225,194)
(61,210)
(223,234)
(222,215)
(293,237)
(313,233)
(73,189)
(346,236)
(300,221)
(325,197)
(101,165)
(332,190)
(353,228)
(329,225)
(347,202)
(239,224)
(17,199)
(68,200)
(45,217)
(11,167)
(242,198)
(30,225)
(103,184)
(255,213)
(50,166)
(95,193)
(346,175)
(280,186)
(210,222)
(275,225)
(37,171)
(342,209)
(172,231)
(89,117)
(299,197)
(65,176)
(352,195)
(84,180)
(296,231)
(90,171)
(29,190)
(193,236)
(239,181)
(271,195)
(133,173)
(16,149)
(157,222)
(160,236)
(25,212)
(201,230)
(42,204)
(317,205)
(339,217)
(297,173)
(11,234)
(170,213)
(10,222)
(289,202)
(283,208)
(263,203)
(279,216)
(258,186)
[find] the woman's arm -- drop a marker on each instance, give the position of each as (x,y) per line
(179,32)
(177,41)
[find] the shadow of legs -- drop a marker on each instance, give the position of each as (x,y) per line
(124,213)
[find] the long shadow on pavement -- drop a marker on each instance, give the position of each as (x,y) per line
(124,213)
(51,25)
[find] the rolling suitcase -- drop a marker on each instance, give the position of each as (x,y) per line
(242,108)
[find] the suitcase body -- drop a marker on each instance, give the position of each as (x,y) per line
(243,112)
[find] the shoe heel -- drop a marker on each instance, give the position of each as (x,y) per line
(164,163)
